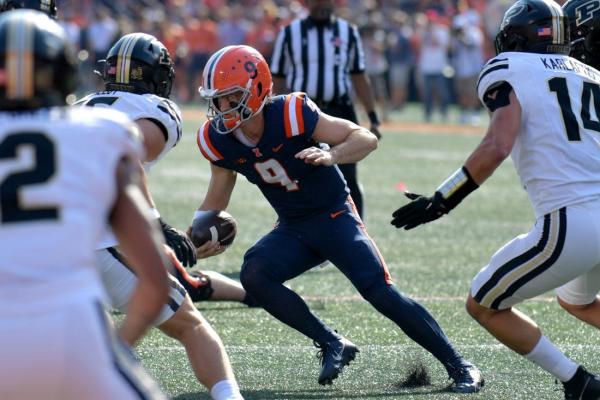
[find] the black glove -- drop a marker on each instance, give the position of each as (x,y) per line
(182,246)
(420,210)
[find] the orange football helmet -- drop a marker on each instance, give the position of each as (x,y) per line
(231,70)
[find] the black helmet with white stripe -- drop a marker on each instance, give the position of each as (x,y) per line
(47,6)
(584,19)
(139,63)
(37,64)
(534,26)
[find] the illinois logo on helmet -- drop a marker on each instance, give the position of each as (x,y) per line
(139,63)
(37,64)
(235,70)
(47,6)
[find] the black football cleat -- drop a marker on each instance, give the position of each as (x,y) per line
(466,379)
(197,284)
(583,386)
(334,356)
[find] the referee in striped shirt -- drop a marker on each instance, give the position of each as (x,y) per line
(322,55)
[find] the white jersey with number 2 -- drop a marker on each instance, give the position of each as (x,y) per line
(57,182)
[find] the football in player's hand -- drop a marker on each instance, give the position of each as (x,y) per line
(216,226)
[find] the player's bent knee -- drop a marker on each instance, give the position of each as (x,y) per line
(573,308)
(372,290)
(253,275)
(185,319)
(476,310)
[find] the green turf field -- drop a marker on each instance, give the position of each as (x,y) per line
(434,263)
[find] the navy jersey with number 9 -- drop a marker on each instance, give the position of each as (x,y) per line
(295,189)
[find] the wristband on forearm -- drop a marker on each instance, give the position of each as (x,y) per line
(456,188)
(373,118)
(154,213)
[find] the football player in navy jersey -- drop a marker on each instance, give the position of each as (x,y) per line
(274,142)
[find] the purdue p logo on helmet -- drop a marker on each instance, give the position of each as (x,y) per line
(584,19)
(139,63)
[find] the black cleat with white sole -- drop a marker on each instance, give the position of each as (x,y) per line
(466,379)
(583,386)
(334,356)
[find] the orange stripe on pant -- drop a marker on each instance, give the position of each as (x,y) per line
(386,272)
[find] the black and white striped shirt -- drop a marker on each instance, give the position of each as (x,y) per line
(318,59)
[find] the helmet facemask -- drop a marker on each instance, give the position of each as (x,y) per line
(233,117)
(227,121)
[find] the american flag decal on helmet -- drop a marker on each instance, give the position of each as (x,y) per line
(544,31)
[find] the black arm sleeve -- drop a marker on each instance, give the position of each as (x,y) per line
(497,96)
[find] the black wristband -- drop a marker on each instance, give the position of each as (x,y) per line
(373,118)
(456,188)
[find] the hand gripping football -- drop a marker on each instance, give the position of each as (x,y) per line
(214,225)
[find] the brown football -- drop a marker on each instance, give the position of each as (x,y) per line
(215,225)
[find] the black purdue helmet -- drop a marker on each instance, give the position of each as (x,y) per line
(534,26)
(139,63)
(37,64)
(584,20)
(47,6)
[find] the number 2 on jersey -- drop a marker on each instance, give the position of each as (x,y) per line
(559,86)
(271,171)
(44,167)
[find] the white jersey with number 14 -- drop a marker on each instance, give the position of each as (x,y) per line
(557,152)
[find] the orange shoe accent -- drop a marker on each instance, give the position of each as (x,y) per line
(336,214)
(180,269)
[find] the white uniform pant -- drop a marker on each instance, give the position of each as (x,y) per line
(68,352)
(119,282)
(561,252)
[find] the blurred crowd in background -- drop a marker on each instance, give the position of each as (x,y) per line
(416,50)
